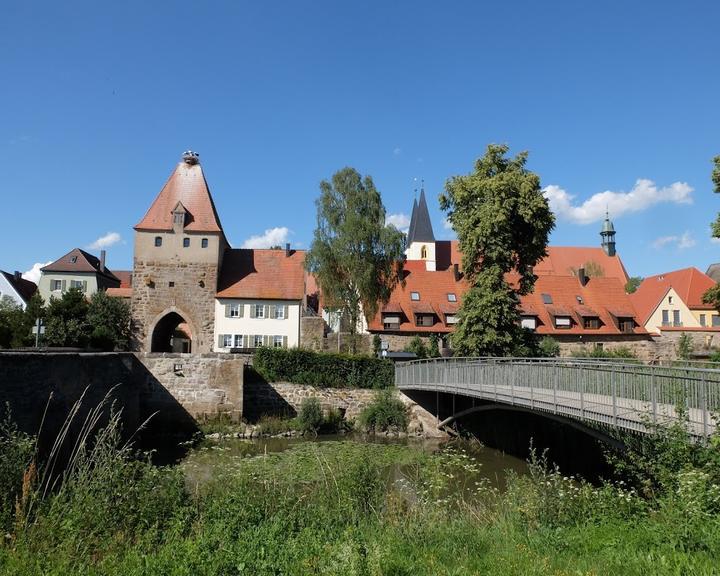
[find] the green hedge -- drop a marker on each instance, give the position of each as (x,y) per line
(323,370)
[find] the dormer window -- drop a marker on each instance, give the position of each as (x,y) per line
(591,323)
(529,322)
(563,322)
(415,296)
(179,218)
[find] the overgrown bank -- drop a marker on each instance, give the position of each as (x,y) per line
(331,508)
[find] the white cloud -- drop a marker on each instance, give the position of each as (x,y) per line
(400,221)
(271,237)
(446,224)
(110,239)
(397,151)
(34,273)
(644,194)
(682,242)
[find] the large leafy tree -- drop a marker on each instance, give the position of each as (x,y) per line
(356,258)
(712,296)
(109,319)
(502,221)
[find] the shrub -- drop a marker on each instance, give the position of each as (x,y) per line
(434,347)
(322,369)
(417,347)
(16,470)
(384,413)
(549,347)
(685,347)
(310,417)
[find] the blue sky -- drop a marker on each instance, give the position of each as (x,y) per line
(100,99)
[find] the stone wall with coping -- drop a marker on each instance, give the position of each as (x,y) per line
(203,384)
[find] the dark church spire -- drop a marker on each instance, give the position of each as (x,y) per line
(420,226)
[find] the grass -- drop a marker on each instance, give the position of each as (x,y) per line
(352,508)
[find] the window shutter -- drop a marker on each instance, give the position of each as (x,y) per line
(252,310)
(63,283)
(284,341)
(227,310)
(266,340)
(287,308)
(84,285)
(273,311)
(241,308)
(267,311)
(220,340)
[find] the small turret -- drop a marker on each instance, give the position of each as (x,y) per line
(607,233)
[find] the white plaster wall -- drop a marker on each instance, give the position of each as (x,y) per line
(46,282)
(687,318)
(247,326)
(7,289)
(414,251)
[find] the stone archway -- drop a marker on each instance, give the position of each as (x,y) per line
(171,332)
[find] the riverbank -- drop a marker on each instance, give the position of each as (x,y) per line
(344,507)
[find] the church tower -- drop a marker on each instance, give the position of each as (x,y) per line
(179,245)
(607,233)
(421,240)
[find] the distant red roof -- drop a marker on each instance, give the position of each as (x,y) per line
(125,277)
(262,274)
(78,260)
(566,260)
(187,186)
(119,292)
(689,283)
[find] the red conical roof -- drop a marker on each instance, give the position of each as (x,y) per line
(187,186)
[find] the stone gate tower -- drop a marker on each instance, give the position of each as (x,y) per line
(179,245)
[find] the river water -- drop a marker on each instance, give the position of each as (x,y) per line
(212,457)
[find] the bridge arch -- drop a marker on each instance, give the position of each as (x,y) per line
(591,431)
(171,331)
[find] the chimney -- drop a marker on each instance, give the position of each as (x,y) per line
(287,250)
(17,275)
(581,276)
(456,272)
(102,260)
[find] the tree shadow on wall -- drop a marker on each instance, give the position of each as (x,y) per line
(261,399)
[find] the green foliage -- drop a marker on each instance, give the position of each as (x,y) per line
(685,347)
(355,256)
(503,221)
(633,284)
(310,416)
(417,347)
(386,412)
(66,320)
(376,345)
(716,188)
(110,321)
(621,352)
(712,296)
(16,471)
(12,323)
(323,369)
(549,347)
(715,356)
(434,346)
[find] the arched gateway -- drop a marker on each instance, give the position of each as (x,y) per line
(171,334)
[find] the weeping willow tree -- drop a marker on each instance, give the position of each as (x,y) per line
(502,220)
(356,258)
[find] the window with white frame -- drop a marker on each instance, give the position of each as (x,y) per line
(257,341)
(56,285)
(450,319)
(451,297)
(259,311)
(277,341)
(563,322)
(529,322)
(280,312)
(227,340)
(415,296)
(235,310)
(79,284)
(238,341)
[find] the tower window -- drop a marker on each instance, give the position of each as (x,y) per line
(186,242)
(423,252)
(158,241)
(171,284)
(204,243)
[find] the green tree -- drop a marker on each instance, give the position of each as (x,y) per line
(66,323)
(633,284)
(417,347)
(12,323)
(356,258)
(712,296)
(685,347)
(109,319)
(502,221)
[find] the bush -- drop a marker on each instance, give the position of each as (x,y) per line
(322,369)
(385,413)
(310,417)
(417,347)
(549,347)
(685,347)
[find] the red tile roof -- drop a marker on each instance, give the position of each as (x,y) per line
(566,260)
(83,262)
(262,274)
(125,277)
(689,283)
(187,186)
(119,292)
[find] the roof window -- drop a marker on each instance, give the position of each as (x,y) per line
(451,297)
(546,298)
(415,296)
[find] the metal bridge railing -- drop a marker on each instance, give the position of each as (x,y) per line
(628,395)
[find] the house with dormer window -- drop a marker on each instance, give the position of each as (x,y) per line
(76,269)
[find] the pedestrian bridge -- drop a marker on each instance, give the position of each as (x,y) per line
(624,395)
